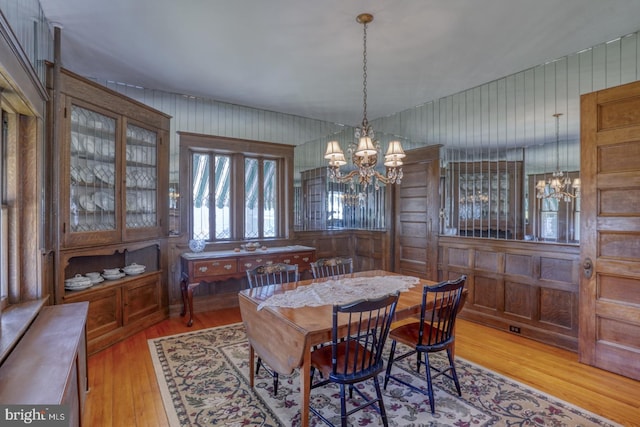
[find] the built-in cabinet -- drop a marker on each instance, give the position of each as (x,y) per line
(110,203)
(486,199)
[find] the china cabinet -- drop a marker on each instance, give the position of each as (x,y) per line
(486,199)
(110,204)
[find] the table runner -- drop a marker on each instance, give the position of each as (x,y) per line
(340,291)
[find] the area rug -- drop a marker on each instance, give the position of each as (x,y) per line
(203,378)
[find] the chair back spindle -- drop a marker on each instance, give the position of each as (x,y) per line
(273,274)
(332,267)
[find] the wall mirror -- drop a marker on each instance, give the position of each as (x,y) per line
(506,126)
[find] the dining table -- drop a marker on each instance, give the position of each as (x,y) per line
(285,322)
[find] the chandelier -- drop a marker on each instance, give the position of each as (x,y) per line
(559,184)
(365,149)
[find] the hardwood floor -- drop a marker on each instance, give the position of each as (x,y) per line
(124,391)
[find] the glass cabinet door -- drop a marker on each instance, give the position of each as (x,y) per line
(141,178)
(92,171)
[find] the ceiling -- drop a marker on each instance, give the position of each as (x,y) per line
(305,57)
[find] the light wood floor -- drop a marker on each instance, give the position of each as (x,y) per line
(124,391)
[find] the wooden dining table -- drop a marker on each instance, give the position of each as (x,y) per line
(284,337)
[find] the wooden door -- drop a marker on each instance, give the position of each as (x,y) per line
(417,204)
(610,230)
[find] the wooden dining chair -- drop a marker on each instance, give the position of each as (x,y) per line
(355,354)
(433,333)
(272,274)
(330,267)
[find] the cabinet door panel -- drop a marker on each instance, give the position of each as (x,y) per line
(142,182)
(141,298)
(105,312)
(90,215)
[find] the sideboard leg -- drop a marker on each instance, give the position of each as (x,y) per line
(183,290)
(190,298)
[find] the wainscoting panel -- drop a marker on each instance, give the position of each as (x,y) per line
(527,288)
(486,261)
(485,293)
(519,300)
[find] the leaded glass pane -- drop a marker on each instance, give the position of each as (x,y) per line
(251,199)
(270,198)
(200,196)
(92,171)
(222,180)
(141,178)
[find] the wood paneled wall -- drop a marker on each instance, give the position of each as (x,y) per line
(527,288)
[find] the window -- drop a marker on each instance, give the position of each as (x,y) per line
(234,195)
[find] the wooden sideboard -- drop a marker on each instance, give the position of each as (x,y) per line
(48,366)
(216,266)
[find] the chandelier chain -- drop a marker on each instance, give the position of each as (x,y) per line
(364,76)
(557,116)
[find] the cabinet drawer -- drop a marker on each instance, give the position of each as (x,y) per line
(302,259)
(216,267)
(251,262)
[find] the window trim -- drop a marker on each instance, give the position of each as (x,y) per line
(238,149)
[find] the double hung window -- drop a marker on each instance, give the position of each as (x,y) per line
(236,196)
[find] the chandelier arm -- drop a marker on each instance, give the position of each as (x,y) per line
(346,178)
(381,177)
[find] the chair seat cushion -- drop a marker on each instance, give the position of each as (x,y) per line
(321,358)
(408,334)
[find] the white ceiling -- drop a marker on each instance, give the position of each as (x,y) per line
(305,57)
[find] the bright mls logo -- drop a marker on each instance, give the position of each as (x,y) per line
(34,415)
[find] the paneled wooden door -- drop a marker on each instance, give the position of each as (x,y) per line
(610,230)
(417,204)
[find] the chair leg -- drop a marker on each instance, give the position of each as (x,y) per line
(343,406)
(454,374)
(418,361)
(427,368)
(273,374)
(383,412)
(275,383)
(389,363)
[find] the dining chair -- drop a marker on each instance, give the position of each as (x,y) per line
(359,332)
(433,333)
(330,267)
(272,274)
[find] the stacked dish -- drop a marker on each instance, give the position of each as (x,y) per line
(95,277)
(112,274)
(77,283)
(251,246)
(134,269)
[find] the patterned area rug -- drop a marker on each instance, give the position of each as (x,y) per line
(203,378)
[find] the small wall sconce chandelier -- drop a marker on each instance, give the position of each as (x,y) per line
(364,154)
(560,185)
